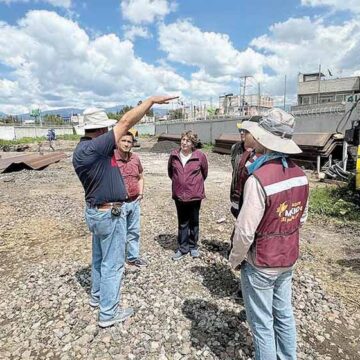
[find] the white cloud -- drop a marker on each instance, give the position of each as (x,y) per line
(54,62)
(64,67)
(291,48)
(350,5)
(59,3)
(211,52)
(131,32)
(146,11)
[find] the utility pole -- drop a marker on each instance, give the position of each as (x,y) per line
(318,100)
(244,92)
(243,102)
(285,92)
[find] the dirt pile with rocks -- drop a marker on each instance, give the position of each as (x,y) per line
(164,146)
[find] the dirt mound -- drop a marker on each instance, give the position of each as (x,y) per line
(164,146)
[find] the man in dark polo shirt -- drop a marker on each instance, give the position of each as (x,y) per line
(133,174)
(95,164)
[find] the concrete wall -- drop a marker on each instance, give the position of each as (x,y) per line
(7,133)
(19,132)
(209,130)
(325,123)
(145,128)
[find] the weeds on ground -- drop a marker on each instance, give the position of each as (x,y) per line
(342,203)
(31,140)
(207,147)
(68,137)
(25,140)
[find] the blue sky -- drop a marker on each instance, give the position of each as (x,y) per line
(69,53)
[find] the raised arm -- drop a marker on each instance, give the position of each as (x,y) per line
(130,118)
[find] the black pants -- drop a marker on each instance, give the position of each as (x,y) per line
(188,224)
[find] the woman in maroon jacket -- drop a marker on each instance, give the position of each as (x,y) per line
(187,168)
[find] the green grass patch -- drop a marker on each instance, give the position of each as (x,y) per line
(207,147)
(73,137)
(31,140)
(342,203)
(25,140)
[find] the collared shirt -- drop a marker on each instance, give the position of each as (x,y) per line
(95,165)
(184,158)
(251,214)
(130,169)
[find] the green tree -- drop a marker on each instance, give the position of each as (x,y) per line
(118,115)
(175,114)
(10,119)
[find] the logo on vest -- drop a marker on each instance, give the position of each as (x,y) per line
(289,213)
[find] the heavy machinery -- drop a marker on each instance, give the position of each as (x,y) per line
(352,137)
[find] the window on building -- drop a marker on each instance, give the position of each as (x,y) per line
(340,97)
(305,100)
(326,98)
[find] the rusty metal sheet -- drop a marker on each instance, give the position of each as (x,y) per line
(221,150)
(171,137)
(312,144)
(312,139)
(230,138)
(176,138)
(30,161)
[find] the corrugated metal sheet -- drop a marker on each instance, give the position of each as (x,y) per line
(176,138)
(312,145)
(224,143)
(312,139)
(30,161)
(170,137)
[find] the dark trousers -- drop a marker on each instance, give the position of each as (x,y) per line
(188,224)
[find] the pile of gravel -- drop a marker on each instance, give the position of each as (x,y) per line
(164,146)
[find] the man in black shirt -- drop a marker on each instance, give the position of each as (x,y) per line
(105,192)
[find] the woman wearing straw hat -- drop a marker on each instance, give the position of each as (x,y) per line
(266,239)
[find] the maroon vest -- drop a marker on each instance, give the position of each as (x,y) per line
(240,175)
(277,236)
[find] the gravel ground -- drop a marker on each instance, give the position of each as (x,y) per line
(183,310)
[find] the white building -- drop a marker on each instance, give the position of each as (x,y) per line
(251,104)
(313,89)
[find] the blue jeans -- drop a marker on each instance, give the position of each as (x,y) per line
(269,313)
(108,259)
(132,216)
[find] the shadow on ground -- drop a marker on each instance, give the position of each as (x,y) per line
(222,331)
(216,246)
(352,264)
(83,277)
(219,280)
(167,241)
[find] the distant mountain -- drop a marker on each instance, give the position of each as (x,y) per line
(62,112)
(114,109)
(65,112)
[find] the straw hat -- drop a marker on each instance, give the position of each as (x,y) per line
(95,118)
